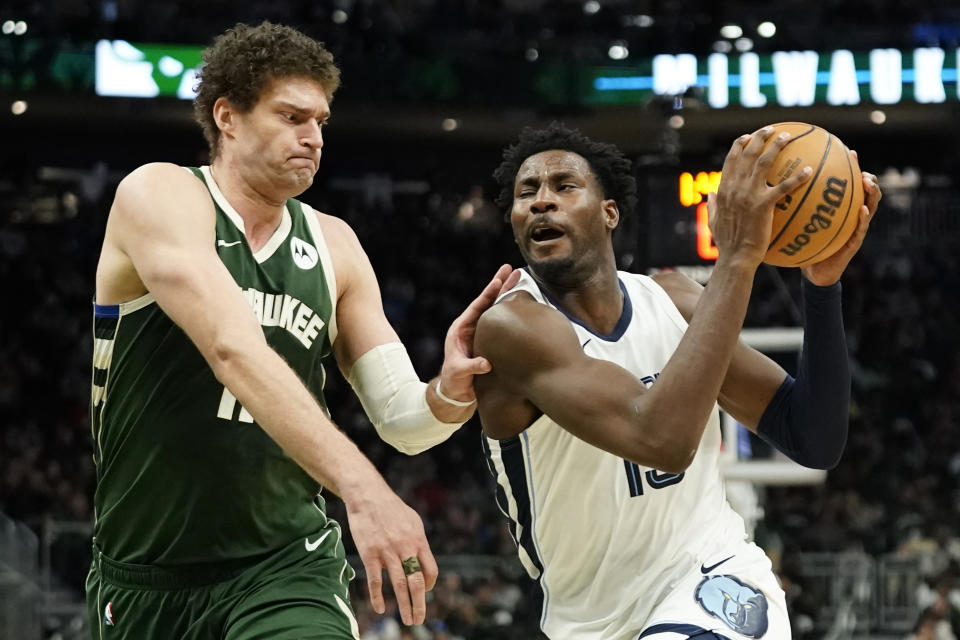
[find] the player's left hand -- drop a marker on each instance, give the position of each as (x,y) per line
(459,364)
(827,272)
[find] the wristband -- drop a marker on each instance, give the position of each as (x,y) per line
(456,403)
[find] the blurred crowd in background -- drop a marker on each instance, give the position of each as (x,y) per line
(434,237)
(897,488)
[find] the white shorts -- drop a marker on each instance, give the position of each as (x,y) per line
(733,594)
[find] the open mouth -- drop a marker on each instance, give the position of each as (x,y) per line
(545,233)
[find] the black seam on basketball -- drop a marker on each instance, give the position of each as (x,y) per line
(846,214)
(805,133)
(794,139)
(812,182)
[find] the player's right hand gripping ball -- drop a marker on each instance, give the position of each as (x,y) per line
(815,220)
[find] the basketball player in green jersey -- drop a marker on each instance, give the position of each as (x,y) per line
(217,294)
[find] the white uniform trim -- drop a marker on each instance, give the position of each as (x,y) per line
(126,308)
(279,235)
(326,262)
(354,629)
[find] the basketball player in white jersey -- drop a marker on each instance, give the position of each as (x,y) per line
(600,413)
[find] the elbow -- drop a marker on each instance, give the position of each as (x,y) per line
(404,446)
(677,460)
(393,436)
(224,358)
(665,454)
(407,448)
(822,460)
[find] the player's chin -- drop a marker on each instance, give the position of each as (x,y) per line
(554,268)
(302,177)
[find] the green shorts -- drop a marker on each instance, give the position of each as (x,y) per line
(299,591)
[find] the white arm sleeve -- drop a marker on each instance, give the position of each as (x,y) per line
(395,400)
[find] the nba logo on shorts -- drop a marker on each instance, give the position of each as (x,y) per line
(108,614)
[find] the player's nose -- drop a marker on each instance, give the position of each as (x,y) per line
(544,200)
(312,135)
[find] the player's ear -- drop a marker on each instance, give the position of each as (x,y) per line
(224,115)
(611,213)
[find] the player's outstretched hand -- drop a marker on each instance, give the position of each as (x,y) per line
(828,271)
(459,364)
(387,532)
(741,212)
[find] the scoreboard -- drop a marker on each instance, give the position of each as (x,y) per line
(674,226)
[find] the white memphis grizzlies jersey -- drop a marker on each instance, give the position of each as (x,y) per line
(607,539)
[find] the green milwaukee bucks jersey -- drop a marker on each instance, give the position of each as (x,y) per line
(184,474)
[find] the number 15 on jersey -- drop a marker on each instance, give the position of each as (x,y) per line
(655,479)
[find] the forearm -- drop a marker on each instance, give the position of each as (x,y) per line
(808,417)
(406,412)
(689,385)
(279,402)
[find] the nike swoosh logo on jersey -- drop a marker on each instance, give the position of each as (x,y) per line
(224,243)
(704,569)
(311,546)
(584,345)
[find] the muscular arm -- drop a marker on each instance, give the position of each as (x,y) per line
(536,356)
(752,379)
(806,418)
(363,327)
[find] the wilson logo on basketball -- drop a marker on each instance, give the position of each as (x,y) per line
(822,217)
(819,216)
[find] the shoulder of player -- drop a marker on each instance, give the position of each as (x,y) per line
(159,188)
(337,232)
(154,175)
(518,330)
(682,290)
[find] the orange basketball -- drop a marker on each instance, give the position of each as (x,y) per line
(815,220)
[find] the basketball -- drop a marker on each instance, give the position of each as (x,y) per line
(814,221)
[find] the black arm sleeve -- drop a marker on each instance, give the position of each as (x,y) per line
(807,417)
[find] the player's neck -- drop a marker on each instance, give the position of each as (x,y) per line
(261,212)
(596,300)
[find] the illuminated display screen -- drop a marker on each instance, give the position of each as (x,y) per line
(146,70)
(674,227)
(786,78)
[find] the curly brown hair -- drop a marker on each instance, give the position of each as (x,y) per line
(241,63)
